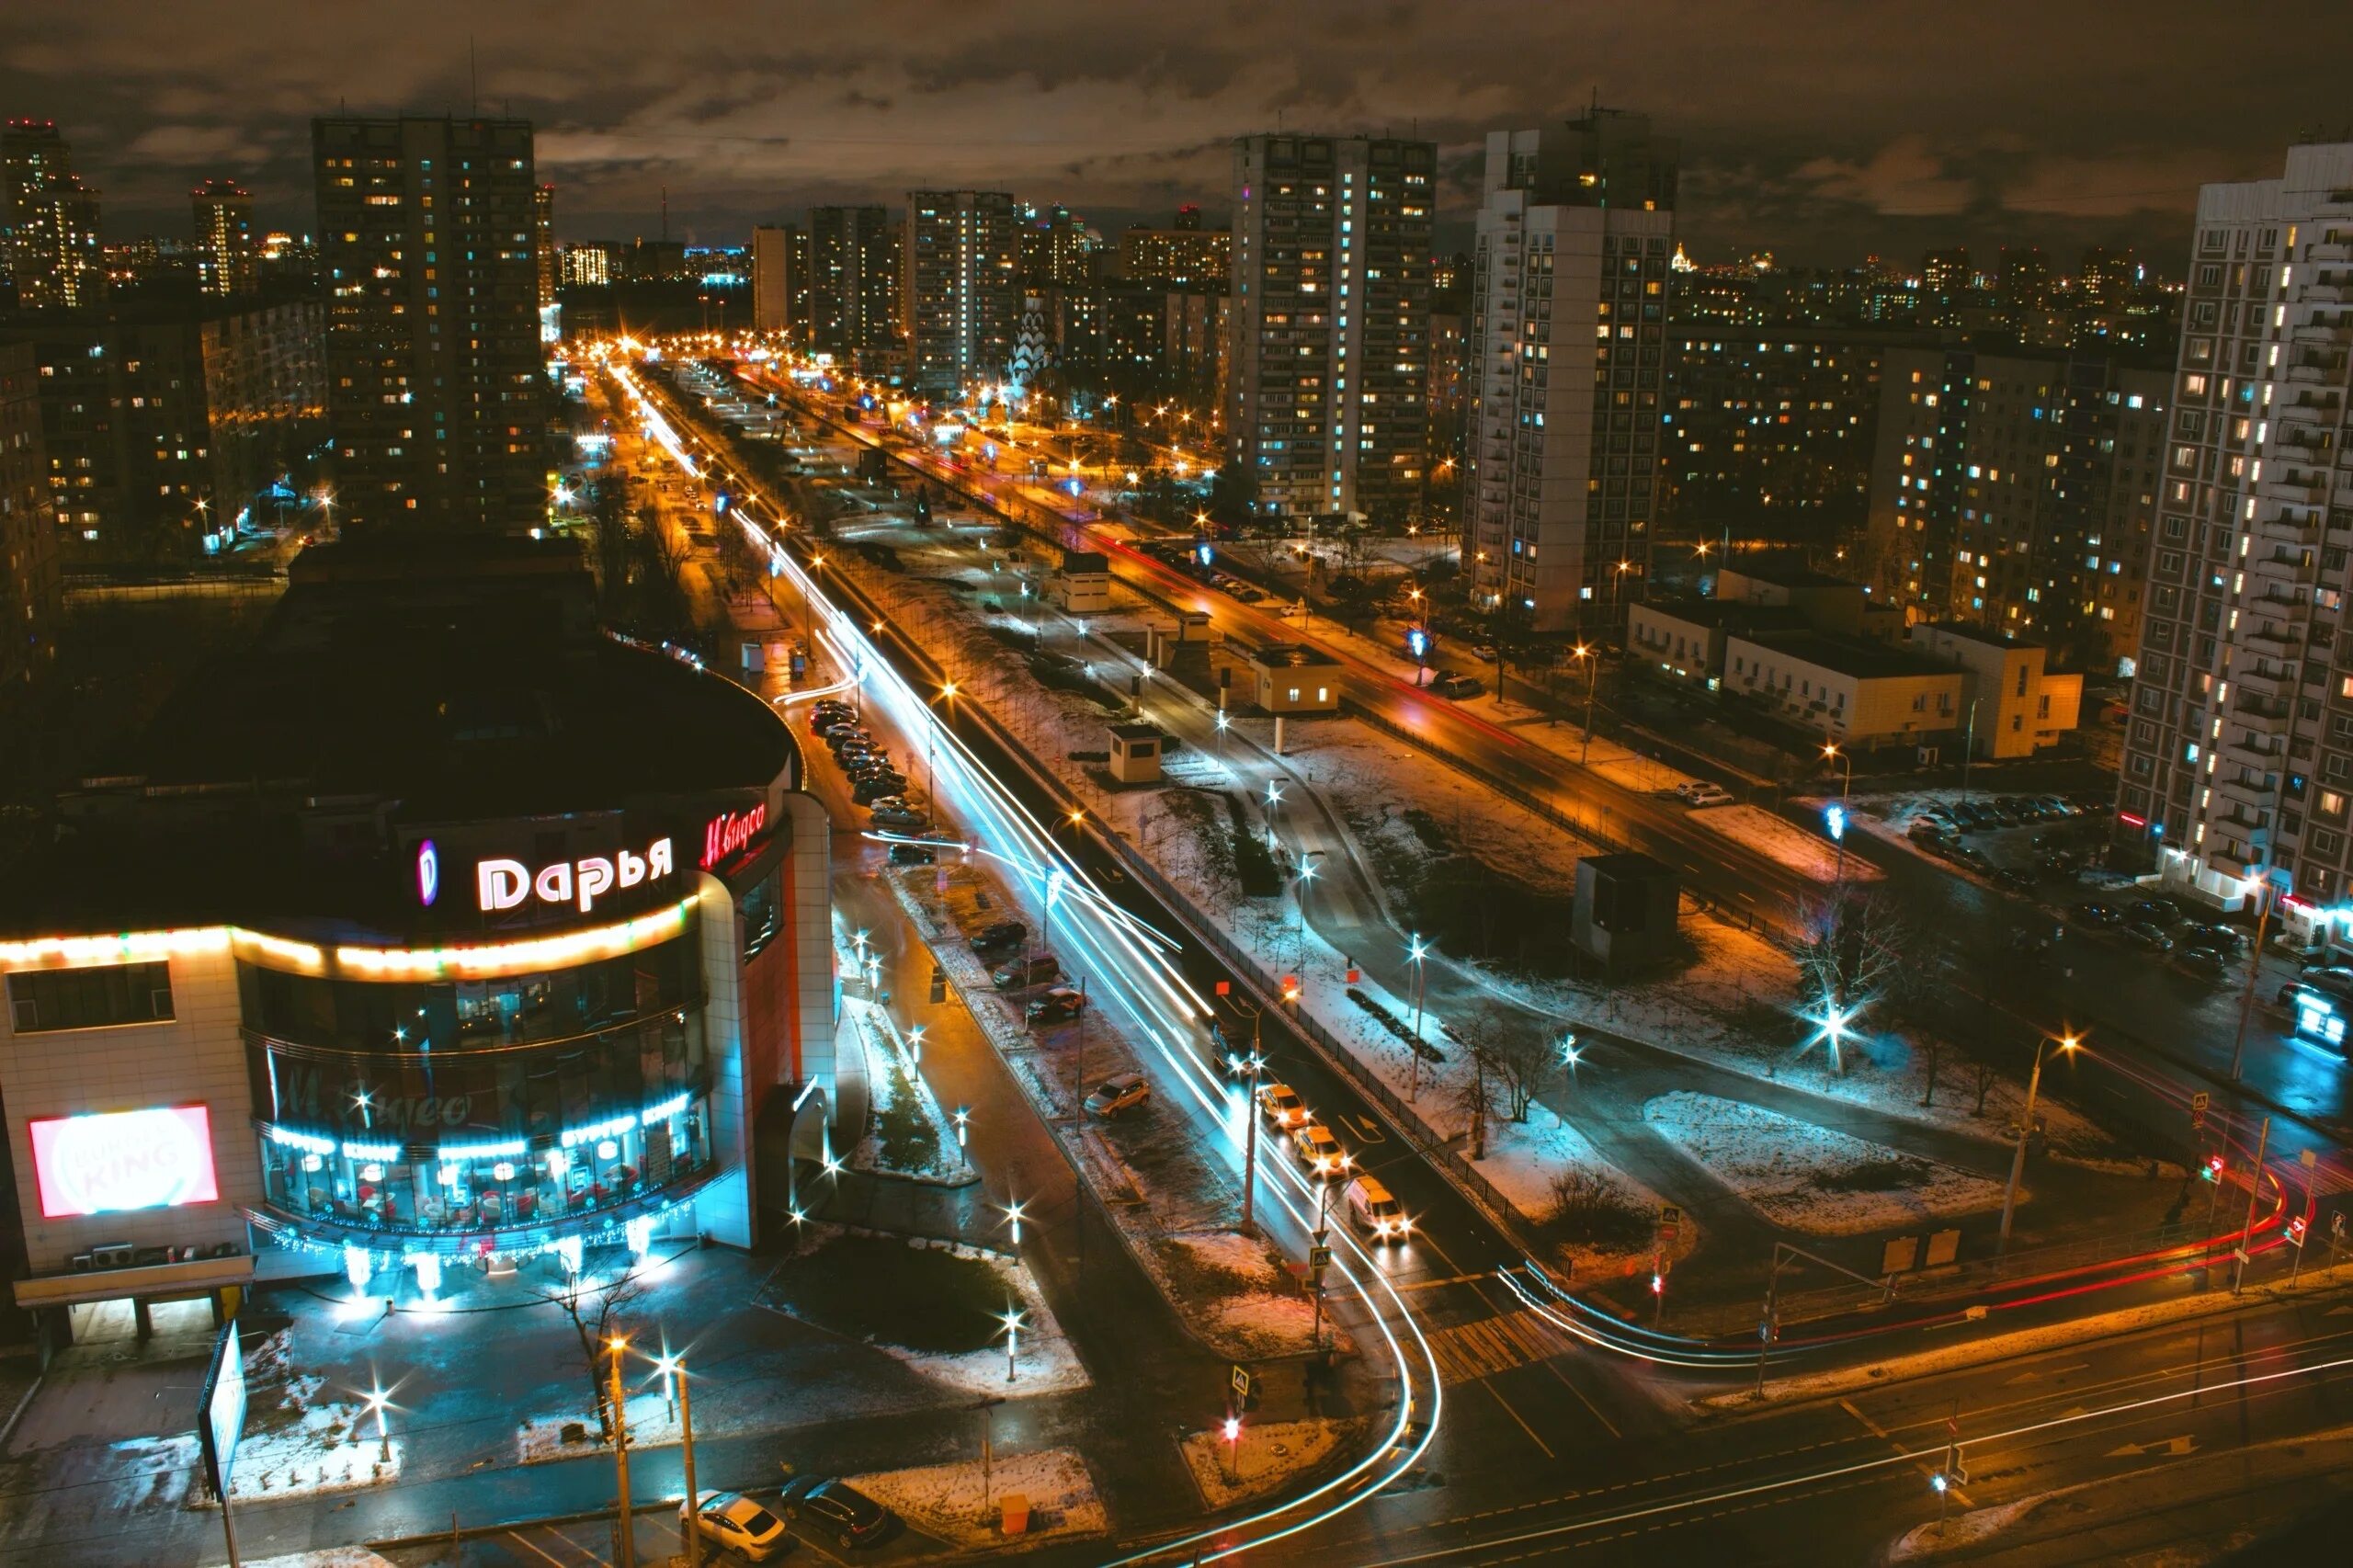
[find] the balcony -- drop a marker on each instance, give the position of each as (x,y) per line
(2262,679)
(2250,706)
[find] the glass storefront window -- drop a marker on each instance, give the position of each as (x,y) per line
(365,1015)
(481,1186)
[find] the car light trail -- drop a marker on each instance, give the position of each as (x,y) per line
(1130,961)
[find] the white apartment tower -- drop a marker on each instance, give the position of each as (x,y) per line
(1328,392)
(2238,764)
(1561,482)
(771,280)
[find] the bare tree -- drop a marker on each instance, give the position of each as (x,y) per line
(1512,1049)
(1854,953)
(1984,1083)
(598,1313)
(1933,1048)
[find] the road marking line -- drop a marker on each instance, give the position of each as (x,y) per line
(533,1547)
(1434,1284)
(1523,1425)
(1873,1427)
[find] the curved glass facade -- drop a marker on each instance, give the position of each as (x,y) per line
(479,1105)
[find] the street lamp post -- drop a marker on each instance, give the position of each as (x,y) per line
(674,1367)
(1416,950)
(2067,1042)
(1830,749)
(1592,657)
(1256,1063)
(624,1528)
(1012,1321)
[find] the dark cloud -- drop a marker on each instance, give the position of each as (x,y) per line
(1819,129)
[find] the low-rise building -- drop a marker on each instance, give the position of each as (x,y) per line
(1854,692)
(1081,584)
(1295,678)
(2015,706)
(1685,638)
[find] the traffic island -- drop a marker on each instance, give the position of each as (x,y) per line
(1243,1460)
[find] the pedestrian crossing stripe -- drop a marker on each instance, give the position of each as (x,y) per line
(1470,1351)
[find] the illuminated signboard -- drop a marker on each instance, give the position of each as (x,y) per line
(503,884)
(729,830)
(134,1159)
(222,1406)
(428,873)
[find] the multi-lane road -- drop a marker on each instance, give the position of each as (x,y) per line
(1488,1488)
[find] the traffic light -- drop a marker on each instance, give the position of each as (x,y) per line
(2213,1168)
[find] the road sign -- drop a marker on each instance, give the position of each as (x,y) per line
(1241,1381)
(1670,1219)
(1319,1257)
(1225,988)
(2307,1158)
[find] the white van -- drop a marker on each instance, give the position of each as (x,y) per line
(1374,1211)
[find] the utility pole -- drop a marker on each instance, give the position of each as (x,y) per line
(2246,997)
(624,1528)
(694,1498)
(1250,1137)
(2253,1191)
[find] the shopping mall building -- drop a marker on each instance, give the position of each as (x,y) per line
(436,926)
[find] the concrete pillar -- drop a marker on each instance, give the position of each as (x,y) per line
(142,1320)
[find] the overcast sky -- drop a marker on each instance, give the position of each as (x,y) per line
(1819,128)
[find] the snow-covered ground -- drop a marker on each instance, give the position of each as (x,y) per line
(1808,854)
(1043,1359)
(653,1424)
(1263,1457)
(896,1087)
(1811,1178)
(964,1505)
(1523,1157)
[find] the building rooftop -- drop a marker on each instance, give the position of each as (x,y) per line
(1784,573)
(1291,656)
(1852,656)
(1729,615)
(1975,634)
(401,681)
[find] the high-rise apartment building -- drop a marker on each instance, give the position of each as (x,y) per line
(1327,392)
(2238,754)
(587,266)
(1184,254)
(771,278)
(435,374)
(852,279)
(960,288)
(2011,491)
(30,596)
(543,258)
(1560,482)
(226,260)
(1058,250)
(49,219)
(1768,430)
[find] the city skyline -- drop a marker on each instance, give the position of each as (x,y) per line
(1818,143)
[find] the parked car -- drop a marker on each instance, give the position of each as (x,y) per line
(1004,933)
(1124,1092)
(2225,939)
(1280,1104)
(1062,1002)
(879,788)
(2152,912)
(1923,831)
(1032,969)
(2012,880)
(2150,938)
(737,1524)
(2099,917)
(1704,794)
(1320,1151)
(913,855)
(840,1512)
(2202,963)
(1374,1211)
(900,816)
(1448,684)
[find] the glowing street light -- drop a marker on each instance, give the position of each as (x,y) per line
(2069,1043)
(1013,1318)
(1013,1218)
(378,1399)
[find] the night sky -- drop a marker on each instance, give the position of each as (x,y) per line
(1817,129)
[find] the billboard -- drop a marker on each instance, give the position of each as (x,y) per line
(221,1410)
(123,1160)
